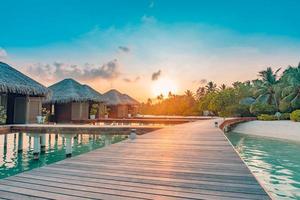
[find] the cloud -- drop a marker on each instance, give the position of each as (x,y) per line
(151,4)
(155,75)
(128,80)
(60,70)
(124,49)
(183,50)
(3,53)
(201,81)
(148,19)
(107,71)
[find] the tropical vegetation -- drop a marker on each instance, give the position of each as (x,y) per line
(295,116)
(271,96)
(2,115)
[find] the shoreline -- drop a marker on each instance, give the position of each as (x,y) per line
(274,129)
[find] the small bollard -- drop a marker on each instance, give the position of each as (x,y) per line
(132,135)
(216,124)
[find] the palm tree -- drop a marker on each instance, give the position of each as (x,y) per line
(291,83)
(211,87)
(160,97)
(170,95)
(149,101)
(201,91)
(266,89)
(222,87)
(189,93)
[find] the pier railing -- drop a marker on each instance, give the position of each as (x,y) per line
(227,125)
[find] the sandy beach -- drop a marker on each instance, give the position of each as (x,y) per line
(276,129)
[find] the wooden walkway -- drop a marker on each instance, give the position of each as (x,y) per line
(78,129)
(187,161)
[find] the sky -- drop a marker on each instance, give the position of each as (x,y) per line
(147,47)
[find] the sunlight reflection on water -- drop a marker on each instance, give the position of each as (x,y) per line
(13,162)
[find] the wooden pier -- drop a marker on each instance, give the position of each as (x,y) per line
(187,161)
(143,120)
(79,129)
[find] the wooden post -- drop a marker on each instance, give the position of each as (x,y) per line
(29,142)
(36,147)
(107,140)
(68,147)
(5,145)
(20,142)
(49,141)
(5,141)
(43,143)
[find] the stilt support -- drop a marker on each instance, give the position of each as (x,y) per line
(68,144)
(20,142)
(43,143)
(36,147)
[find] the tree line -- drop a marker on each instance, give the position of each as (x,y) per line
(270,93)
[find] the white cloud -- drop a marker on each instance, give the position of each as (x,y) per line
(183,51)
(151,4)
(59,70)
(3,53)
(148,19)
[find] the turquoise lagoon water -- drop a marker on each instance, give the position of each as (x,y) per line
(275,163)
(13,162)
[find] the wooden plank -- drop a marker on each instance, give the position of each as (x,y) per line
(128,184)
(187,161)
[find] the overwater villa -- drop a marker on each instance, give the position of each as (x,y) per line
(20,96)
(72,101)
(120,105)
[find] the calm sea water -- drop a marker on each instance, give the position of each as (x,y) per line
(13,162)
(275,163)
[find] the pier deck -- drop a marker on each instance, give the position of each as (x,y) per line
(78,129)
(187,161)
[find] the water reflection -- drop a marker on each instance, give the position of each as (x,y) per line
(276,163)
(16,150)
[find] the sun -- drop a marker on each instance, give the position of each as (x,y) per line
(164,86)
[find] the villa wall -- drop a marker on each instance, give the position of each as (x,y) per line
(118,111)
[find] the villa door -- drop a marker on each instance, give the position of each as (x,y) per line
(20,110)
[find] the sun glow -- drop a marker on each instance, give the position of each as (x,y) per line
(164,86)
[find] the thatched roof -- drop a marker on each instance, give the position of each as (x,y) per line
(69,90)
(93,92)
(131,100)
(13,81)
(114,97)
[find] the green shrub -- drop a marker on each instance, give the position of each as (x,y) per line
(266,117)
(259,108)
(285,116)
(285,106)
(2,115)
(295,116)
(236,110)
(94,109)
